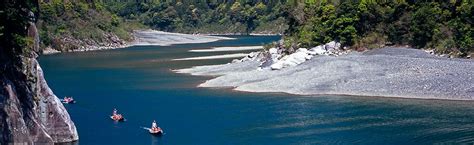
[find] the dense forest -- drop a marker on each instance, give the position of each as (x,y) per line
(67,25)
(15,15)
(444,26)
(211,16)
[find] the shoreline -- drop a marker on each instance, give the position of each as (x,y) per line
(233,55)
(392,73)
(227,49)
(53,51)
(217,36)
(232,89)
(239,34)
(142,38)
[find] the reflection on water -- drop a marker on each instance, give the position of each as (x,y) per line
(156,140)
(370,120)
(139,83)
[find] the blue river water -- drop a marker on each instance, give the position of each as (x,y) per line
(138,81)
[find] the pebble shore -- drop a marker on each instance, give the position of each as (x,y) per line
(386,72)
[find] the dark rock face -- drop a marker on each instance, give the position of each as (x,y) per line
(30,113)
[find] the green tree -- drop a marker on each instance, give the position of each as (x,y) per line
(423,23)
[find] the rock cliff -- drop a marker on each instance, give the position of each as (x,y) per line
(30,113)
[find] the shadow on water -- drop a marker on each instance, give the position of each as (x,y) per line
(138,82)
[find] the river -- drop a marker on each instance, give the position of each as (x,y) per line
(138,81)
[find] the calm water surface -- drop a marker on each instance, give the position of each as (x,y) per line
(138,82)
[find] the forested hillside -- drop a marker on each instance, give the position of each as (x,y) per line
(68,25)
(211,16)
(71,25)
(445,27)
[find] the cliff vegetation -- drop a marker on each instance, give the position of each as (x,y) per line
(30,113)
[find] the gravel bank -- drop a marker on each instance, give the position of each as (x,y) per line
(235,55)
(141,37)
(152,37)
(221,49)
(387,72)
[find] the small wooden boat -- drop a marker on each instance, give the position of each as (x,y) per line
(117,117)
(68,100)
(156,131)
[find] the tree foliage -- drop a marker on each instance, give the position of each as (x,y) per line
(213,16)
(445,26)
(15,17)
(80,20)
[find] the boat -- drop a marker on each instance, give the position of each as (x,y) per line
(117,117)
(68,100)
(155,130)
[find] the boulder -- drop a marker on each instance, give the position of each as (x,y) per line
(273,51)
(332,46)
(268,61)
(277,66)
(250,57)
(318,50)
(276,61)
(300,56)
(270,57)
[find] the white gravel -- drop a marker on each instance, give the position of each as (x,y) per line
(235,55)
(387,72)
(152,37)
(220,49)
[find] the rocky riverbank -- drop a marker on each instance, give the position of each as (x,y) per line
(386,72)
(152,37)
(70,44)
(140,37)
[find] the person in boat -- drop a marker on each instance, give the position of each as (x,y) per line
(154,126)
(114,113)
(116,116)
(68,99)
